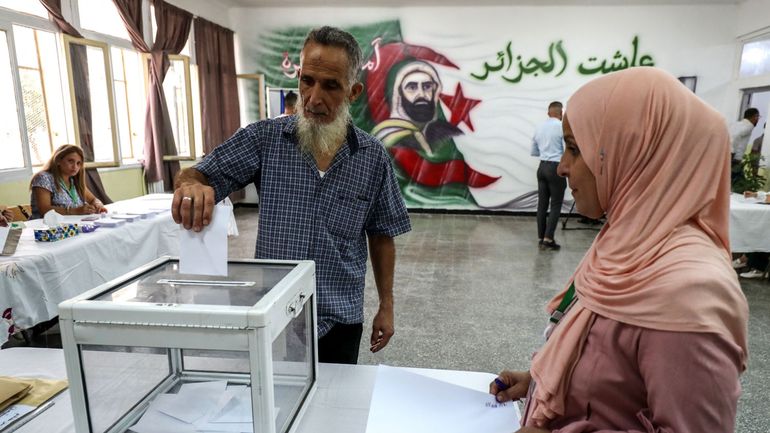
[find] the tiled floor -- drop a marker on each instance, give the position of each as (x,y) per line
(470,292)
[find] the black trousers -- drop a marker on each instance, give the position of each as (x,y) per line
(340,344)
(758,261)
(550,188)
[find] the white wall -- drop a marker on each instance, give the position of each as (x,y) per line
(211,10)
(753,15)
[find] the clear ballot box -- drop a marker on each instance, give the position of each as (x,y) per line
(160,351)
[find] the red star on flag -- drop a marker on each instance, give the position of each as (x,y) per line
(460,106)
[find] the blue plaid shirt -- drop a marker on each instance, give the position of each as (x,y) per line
(303,216)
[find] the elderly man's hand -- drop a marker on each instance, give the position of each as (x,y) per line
(382,328)
(193,205)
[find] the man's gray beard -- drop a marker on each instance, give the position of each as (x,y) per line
(320,139)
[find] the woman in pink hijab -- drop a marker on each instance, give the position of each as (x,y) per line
(649,335)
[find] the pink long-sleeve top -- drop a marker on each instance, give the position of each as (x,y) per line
(638,380)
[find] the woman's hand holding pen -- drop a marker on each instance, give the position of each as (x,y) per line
(510,385)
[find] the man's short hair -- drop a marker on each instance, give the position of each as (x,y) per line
(332,36)
(555,104)
(750,112)
(290,100)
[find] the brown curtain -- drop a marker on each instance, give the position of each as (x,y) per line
(82,96)
(173,30)
(220,112)
(215,54)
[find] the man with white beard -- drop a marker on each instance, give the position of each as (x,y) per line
(325,188)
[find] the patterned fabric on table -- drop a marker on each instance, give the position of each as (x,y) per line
(303,216)
(59,196)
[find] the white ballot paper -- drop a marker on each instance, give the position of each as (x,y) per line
(407,402)
(205,252)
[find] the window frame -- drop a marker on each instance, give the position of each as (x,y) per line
(8,19)
(190,121)
(128,160)
(18,173)
(68,41)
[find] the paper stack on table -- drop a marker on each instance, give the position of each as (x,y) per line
(199,407)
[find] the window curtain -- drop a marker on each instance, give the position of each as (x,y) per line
(215,55)
(82,96)
(173,30)
(220,111)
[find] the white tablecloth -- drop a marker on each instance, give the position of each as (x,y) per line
(339,405)
(40,275)
(749,225)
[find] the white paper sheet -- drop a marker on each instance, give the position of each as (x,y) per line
(154,421)
(13,413)
(205,252)
(423,404)
(235,406)
(3,236)
(199,407)
(191,404)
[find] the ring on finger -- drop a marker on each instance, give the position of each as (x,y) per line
(186,198)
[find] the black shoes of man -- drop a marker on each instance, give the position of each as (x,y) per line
(548,245)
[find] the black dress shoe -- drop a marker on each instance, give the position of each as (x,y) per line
(550,245)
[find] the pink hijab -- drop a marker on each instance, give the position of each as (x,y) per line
(660,156)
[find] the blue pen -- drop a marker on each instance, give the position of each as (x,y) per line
(501,386)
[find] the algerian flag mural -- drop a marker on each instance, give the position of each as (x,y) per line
(457,121)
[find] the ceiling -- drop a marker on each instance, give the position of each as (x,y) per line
(398,3)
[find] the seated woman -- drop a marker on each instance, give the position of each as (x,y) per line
(61,186)
(650,333)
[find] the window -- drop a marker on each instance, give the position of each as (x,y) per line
(26,6)
(47,119)
(177,89)
(101,16)
(10,130)
(755,58)
(89,82)
(130,101)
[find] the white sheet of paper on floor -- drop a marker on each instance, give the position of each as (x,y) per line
(425,404)
(205,252)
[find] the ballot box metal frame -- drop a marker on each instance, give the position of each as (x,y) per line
(176,327)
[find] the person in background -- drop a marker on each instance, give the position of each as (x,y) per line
(740,133)
(326,189)
(289,104)
(61,186)
(6,216)
(650,333)
(548,145)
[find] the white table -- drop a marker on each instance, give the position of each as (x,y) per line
(749,225)
(339,405)
(40,275)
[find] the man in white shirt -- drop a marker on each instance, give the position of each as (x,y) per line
(548,145)
(289,104)
(740,133)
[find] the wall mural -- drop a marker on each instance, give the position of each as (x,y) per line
(420,119)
